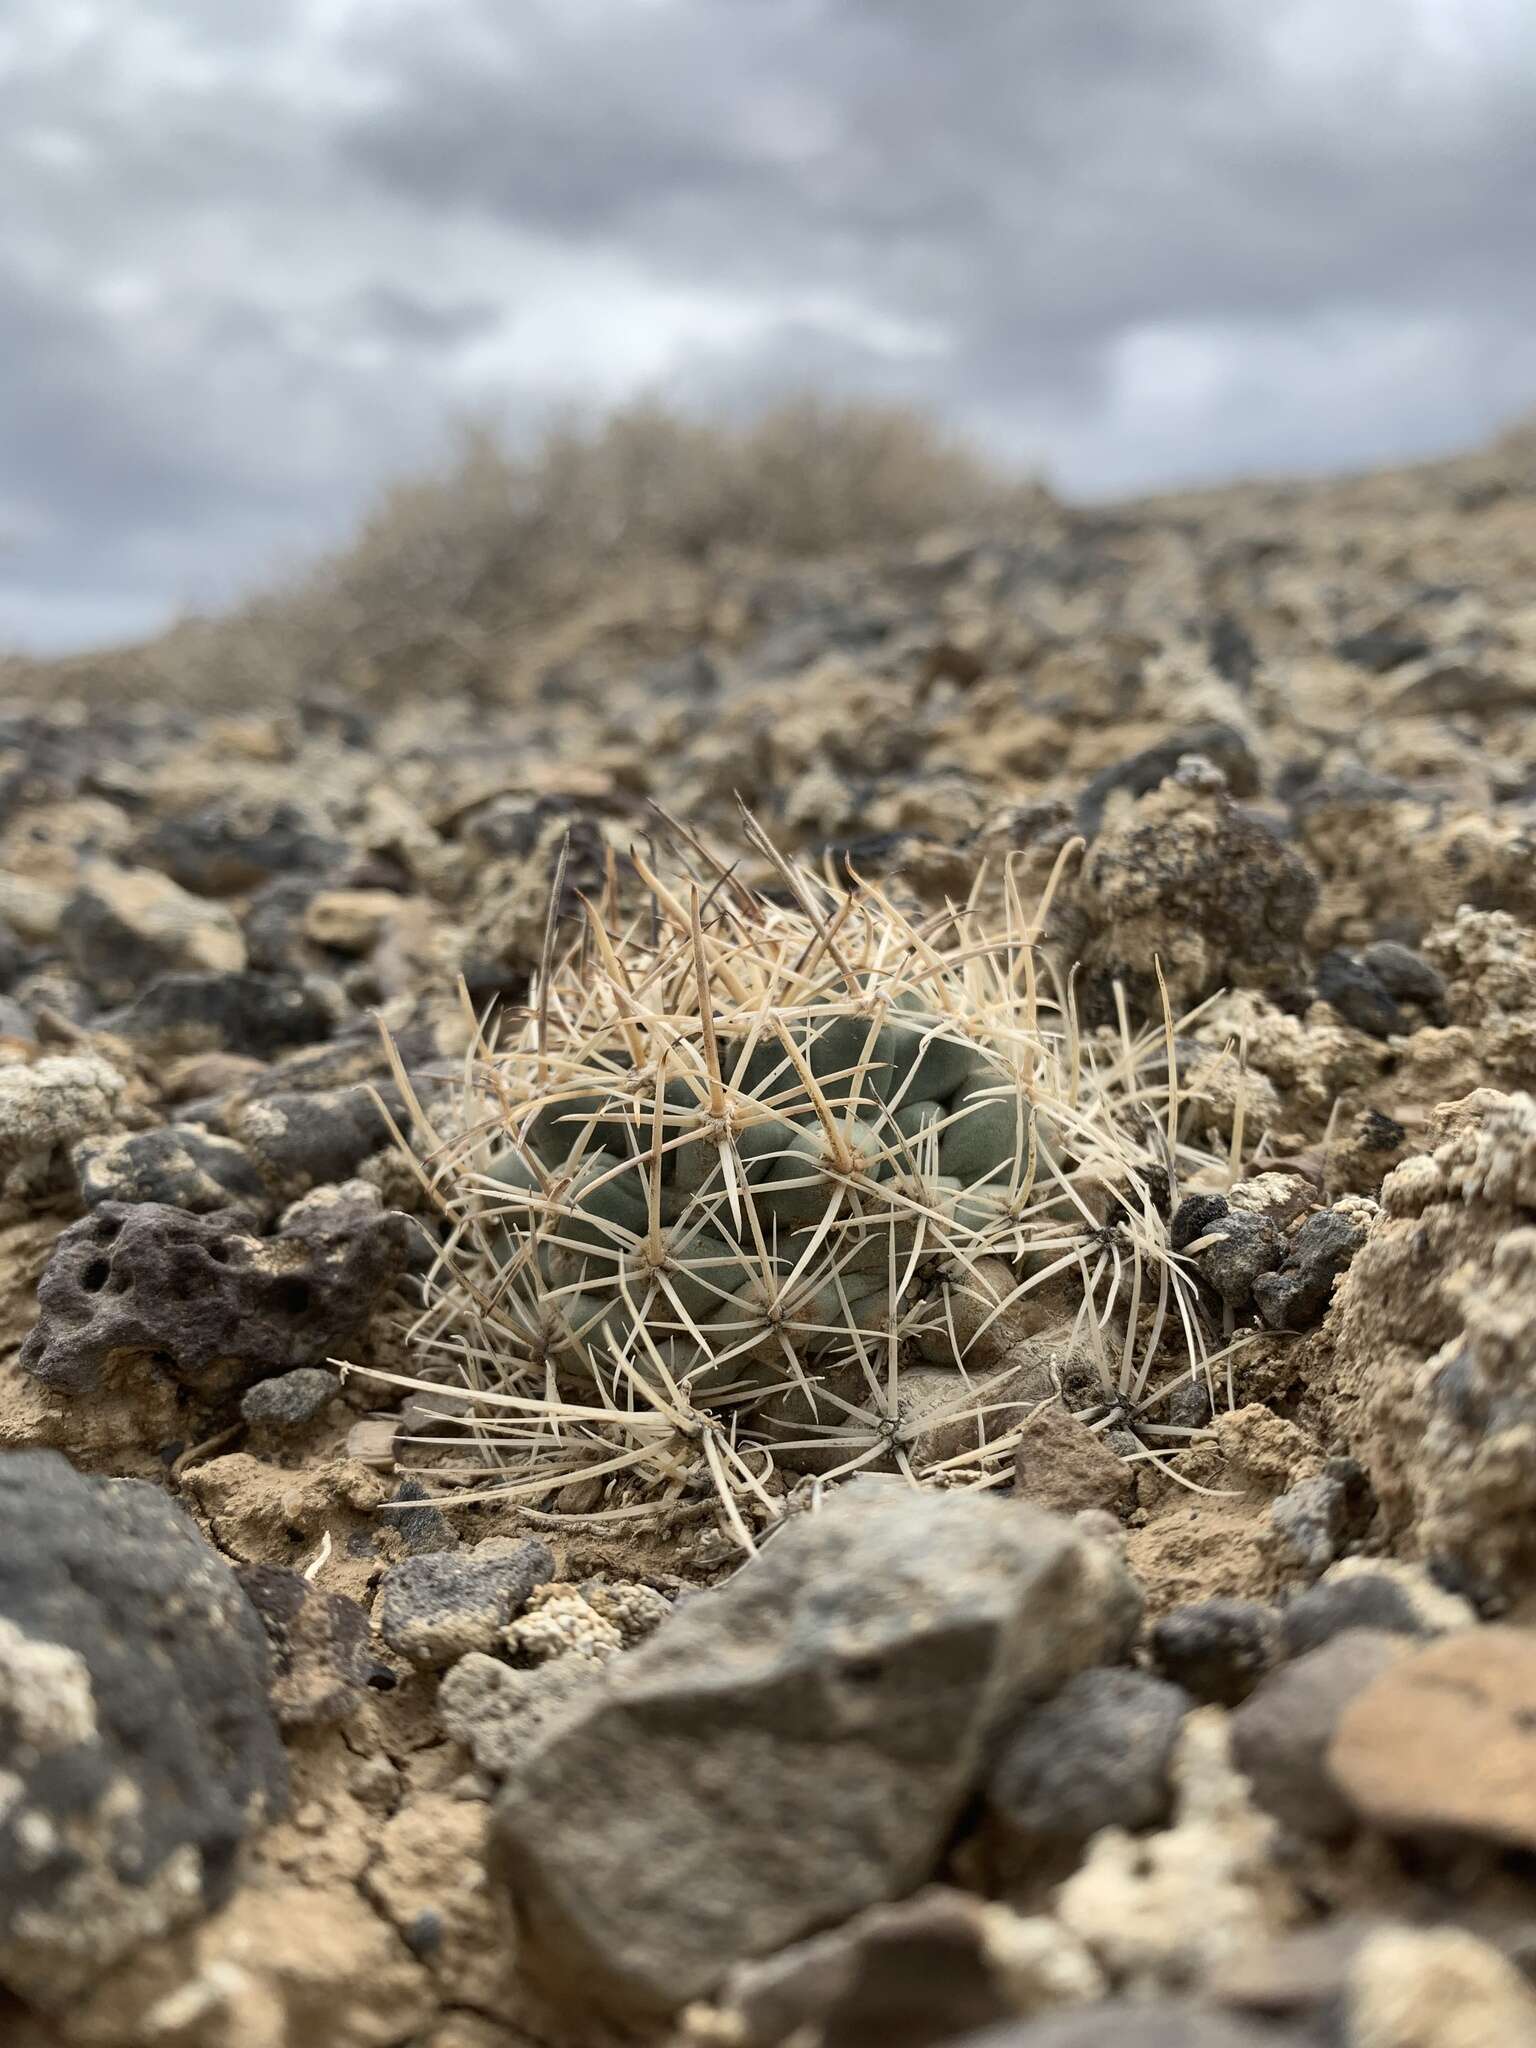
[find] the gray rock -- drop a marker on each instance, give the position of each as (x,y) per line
(1095,1756)
(421,1527)
(144,1289)
(1297,1296)
(1218,1650)
(291,1401)
(910,1974)
(183,1166)
(123,926)
(258,1014)
(237,843)
(1407,975)
(1246,1245)
(1357,995)
(321,1661)
(308,1140)
(1401,1599)
(273,923)
(1312,1520)
(439,1607)
(498,1713)
(1280,1735)
(137,1746)
(797,1745)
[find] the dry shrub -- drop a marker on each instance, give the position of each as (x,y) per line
(448,566)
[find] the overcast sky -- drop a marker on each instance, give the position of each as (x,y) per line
(254,253)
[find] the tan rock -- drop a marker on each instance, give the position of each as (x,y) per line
(1062,1464)
(1445,1740)
(1438,1987)
(350,920)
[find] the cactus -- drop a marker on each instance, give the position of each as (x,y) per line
(752,1165)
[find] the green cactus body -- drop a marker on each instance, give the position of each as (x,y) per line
(857,1116)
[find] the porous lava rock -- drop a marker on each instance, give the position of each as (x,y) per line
(141,1289)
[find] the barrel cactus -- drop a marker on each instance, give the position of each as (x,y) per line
(784,1180)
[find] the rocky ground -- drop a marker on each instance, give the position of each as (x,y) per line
(299,1748)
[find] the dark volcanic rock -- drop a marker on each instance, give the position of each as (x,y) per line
(1360,999)
(258,1014)
(123,926)
(918,1972)
(1217,1649)
(321,1663)
(291,1401)
(306,1140)
(1281,1735)
(1246,1245)
(1401,1599)
(182,1166)
(1139,773)
(1095,1756)
(1297,1295)
(798,1745)
(440,1606)
(134,1290)
(135,1736)
(1407,975)
(236,844)
(1314,1519)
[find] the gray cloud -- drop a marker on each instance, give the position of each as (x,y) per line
(263,253)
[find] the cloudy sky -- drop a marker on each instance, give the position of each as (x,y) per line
(255,253)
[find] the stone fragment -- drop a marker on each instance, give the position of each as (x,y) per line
(1235,1249)
(438,1607)
(1095,1756)
(797,1745)
(1312,1519)
(1443,1741)
(927,1970)
(318,1641)
(136,1742)
(182,1166)
(123,926)
(141,1290)
(1062,1464)
(1296,1296)
(1218,1650)
(1408,976)
(291,1401)
(1371,1592)
(1354,991)
(1282,1735)
(237,843)
(302,1141)
(258,1014)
